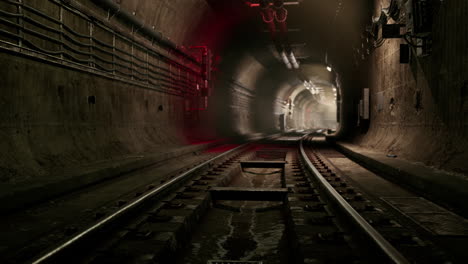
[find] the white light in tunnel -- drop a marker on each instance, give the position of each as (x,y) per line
(285,59)
(293,60)
(309,85)
(314,91)
(329,68)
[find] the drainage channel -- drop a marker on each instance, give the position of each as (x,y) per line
(246,221)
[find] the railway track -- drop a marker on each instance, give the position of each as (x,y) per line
(274,201)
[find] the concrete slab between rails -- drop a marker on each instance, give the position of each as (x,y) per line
(440,186)
(248,194)
(48,187)
(262,164)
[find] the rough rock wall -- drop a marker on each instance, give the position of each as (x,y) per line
(424,115)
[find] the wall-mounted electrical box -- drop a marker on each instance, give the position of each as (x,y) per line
(363,111)
(405,53)
(365,103)
(392,31)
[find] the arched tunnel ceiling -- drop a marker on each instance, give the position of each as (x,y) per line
(320,32)
(316,73)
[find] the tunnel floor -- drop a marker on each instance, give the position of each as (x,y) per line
(255,233)
(242,230)
(260,204)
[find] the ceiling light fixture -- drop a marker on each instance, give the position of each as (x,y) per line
(293,60)
(286,60)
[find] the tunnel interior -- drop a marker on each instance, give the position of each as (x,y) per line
(174,73)
(91,89)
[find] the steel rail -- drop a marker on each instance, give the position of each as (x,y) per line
(391,252)
(75,239)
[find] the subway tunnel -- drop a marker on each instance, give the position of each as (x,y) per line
(201,116)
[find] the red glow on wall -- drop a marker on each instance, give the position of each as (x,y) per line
(213,33)
(204,142)
(196,109)
(216,28)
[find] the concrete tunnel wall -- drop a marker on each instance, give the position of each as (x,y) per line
(50,123)
(423,115)
(57,119)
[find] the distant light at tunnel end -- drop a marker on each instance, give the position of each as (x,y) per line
(329,68)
